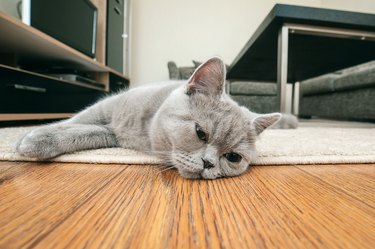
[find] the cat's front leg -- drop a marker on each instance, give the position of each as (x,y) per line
(53,140)
(40,143)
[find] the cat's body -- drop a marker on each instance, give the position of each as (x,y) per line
(193,126)
(129,114)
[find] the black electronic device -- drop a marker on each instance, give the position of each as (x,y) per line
(73,22)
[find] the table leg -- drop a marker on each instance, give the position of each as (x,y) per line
(296,97)
(282,66)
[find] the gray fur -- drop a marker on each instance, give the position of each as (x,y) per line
(162,120)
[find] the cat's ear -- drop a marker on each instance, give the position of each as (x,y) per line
(208,78)
(263,121)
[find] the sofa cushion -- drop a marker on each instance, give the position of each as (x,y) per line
(349,70)
(361,78)
(355,77)
(319,85)
(253,88)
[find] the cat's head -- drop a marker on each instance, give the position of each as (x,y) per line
(208,134)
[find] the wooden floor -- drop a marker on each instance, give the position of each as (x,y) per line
(60,205)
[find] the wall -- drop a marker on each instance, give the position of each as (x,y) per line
(10,7)
(182,30)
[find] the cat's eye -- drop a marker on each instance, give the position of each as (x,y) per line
(233,157)
(200,133)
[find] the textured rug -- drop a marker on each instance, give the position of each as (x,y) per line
(305,145)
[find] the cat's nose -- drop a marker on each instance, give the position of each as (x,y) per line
(207,164)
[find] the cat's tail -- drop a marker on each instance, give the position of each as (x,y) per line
(287,121)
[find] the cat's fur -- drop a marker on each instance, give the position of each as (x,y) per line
(193,126)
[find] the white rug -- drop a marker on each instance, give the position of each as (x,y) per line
(305,145)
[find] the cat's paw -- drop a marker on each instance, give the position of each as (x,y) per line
(39,143)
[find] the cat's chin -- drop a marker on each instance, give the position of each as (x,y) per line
(194,175)
(190,175)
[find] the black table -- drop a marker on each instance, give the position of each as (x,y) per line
(294,43)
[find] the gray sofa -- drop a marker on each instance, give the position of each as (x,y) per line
(259,97)
(344,94)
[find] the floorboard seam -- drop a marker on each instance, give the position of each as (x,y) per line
(334,186)
(74,210)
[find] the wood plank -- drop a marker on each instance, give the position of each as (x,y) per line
(115,215)
(4,167)
(311,212)
(39,196)
(360,185)
(129,206)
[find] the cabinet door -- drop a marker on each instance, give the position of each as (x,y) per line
(115,30)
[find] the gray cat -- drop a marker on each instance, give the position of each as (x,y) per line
(193,126)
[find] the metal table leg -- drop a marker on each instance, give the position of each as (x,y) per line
(282,66)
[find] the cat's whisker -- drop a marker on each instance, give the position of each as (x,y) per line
(166,169)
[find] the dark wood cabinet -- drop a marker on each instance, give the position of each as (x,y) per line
(27,92)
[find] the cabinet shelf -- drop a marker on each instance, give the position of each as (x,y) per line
(4,69)
(32,47)
(33,116)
